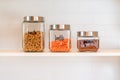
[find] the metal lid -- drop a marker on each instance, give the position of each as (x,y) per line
(87,34)
(60,27)
(33,18)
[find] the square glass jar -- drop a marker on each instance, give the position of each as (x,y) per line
(33,34)
(87,41)
(60,38)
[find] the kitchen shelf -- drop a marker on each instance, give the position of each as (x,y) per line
(113,52)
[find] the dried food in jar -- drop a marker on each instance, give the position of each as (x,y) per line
(33,41)
(62,45)
(88,45)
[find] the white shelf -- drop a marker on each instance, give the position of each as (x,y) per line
(47,53)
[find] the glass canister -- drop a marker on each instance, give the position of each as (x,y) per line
(60,38)
(87,41)
(33,34)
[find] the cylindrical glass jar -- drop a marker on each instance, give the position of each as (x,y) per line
(87,41)
(33,34)
(60,38)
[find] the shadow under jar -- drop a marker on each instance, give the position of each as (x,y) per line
(60,38)
(87,41)
(33,34)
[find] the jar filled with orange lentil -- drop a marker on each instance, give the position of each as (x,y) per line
(33,34)
(60,38)
(87,41)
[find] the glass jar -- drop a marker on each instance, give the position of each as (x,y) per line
(60,38)
(33,34)
(87,41)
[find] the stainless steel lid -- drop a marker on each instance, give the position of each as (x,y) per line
(87,34)
(60,27)
(33,18)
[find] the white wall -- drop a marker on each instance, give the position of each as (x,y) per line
(99,15)
(59,68)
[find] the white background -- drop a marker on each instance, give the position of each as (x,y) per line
(59,68)
(97,15)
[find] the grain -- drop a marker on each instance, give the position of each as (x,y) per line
(60,45)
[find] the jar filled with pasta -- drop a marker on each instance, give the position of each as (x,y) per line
(33,34)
